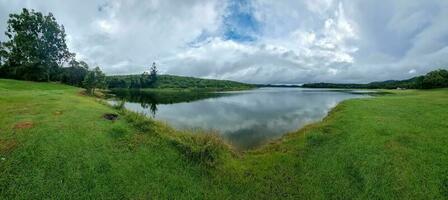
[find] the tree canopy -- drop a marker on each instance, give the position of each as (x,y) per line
(94,79)
(436,79)
(36,50)
(36,47)
(75,73)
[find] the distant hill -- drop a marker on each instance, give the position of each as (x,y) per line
(179,82)
(434,79)
(278,85)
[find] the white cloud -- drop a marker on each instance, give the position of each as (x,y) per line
(296,41)
(319,6)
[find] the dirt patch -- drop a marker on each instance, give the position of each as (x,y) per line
(24,125)
(58,113)
(7,146)
(110,116)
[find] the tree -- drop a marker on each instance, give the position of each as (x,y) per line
(94,79)
(436,79)
(75,73)
(2,54)
(145,80)
(2,61)
(116,83)
(153,74)
(135,83)
(36,48)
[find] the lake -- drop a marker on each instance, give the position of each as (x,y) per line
(246,119)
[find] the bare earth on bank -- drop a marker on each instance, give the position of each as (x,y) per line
(55,143)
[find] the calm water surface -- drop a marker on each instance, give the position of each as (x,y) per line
(247,119)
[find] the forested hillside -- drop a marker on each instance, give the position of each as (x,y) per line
(434,79)
(175,82)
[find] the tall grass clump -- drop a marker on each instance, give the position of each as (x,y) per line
(119,105)
(203,148)
(139,121)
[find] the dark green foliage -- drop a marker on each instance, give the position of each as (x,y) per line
(94,79)
(153,75)
(180,82)
(434,79)
(36,47)
(36,50)
(3,54)
(75,74)
(145,80)
(116,83)
(135,83)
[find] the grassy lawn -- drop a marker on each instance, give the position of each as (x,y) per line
(54,143)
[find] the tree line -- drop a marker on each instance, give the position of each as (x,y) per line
(145,80)
(36,50)
(434,79)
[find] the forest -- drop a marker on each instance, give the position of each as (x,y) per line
(433,79)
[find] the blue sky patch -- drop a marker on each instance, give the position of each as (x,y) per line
(239,22)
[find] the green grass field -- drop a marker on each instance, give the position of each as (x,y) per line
(54,143)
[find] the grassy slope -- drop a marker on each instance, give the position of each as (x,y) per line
(77,154)
(387,147)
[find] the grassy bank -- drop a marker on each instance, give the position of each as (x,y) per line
(55,143)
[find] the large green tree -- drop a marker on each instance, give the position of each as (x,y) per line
(93,80)
(36,48)
(2,54)
(75,73)
(153,74)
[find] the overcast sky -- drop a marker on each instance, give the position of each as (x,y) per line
(259,41)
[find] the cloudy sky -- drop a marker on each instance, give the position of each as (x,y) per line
(259,41)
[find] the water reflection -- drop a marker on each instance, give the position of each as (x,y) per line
(150,100)
(246,119)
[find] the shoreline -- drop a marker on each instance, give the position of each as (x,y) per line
(269,141)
